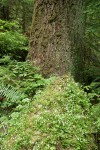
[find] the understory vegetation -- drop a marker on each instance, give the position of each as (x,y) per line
(55,113)
(43,114)
(62,119)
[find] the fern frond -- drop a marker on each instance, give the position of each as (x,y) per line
(12,96)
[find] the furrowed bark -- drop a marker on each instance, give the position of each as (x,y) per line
(57,37)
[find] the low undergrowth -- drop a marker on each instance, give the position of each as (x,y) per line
(58,118)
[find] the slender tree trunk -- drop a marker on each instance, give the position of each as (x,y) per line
(24,17)
(5,13)
(56,43)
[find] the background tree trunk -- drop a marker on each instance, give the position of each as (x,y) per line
(56,43)
(5,13)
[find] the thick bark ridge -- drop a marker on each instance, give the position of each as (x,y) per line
(56,43)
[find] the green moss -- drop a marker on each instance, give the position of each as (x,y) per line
(52,17)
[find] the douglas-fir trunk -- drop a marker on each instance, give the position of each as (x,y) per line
(57,33)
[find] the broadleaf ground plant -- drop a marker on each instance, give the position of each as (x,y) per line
(57,118)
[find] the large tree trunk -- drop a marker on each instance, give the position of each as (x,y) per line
(57,34)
